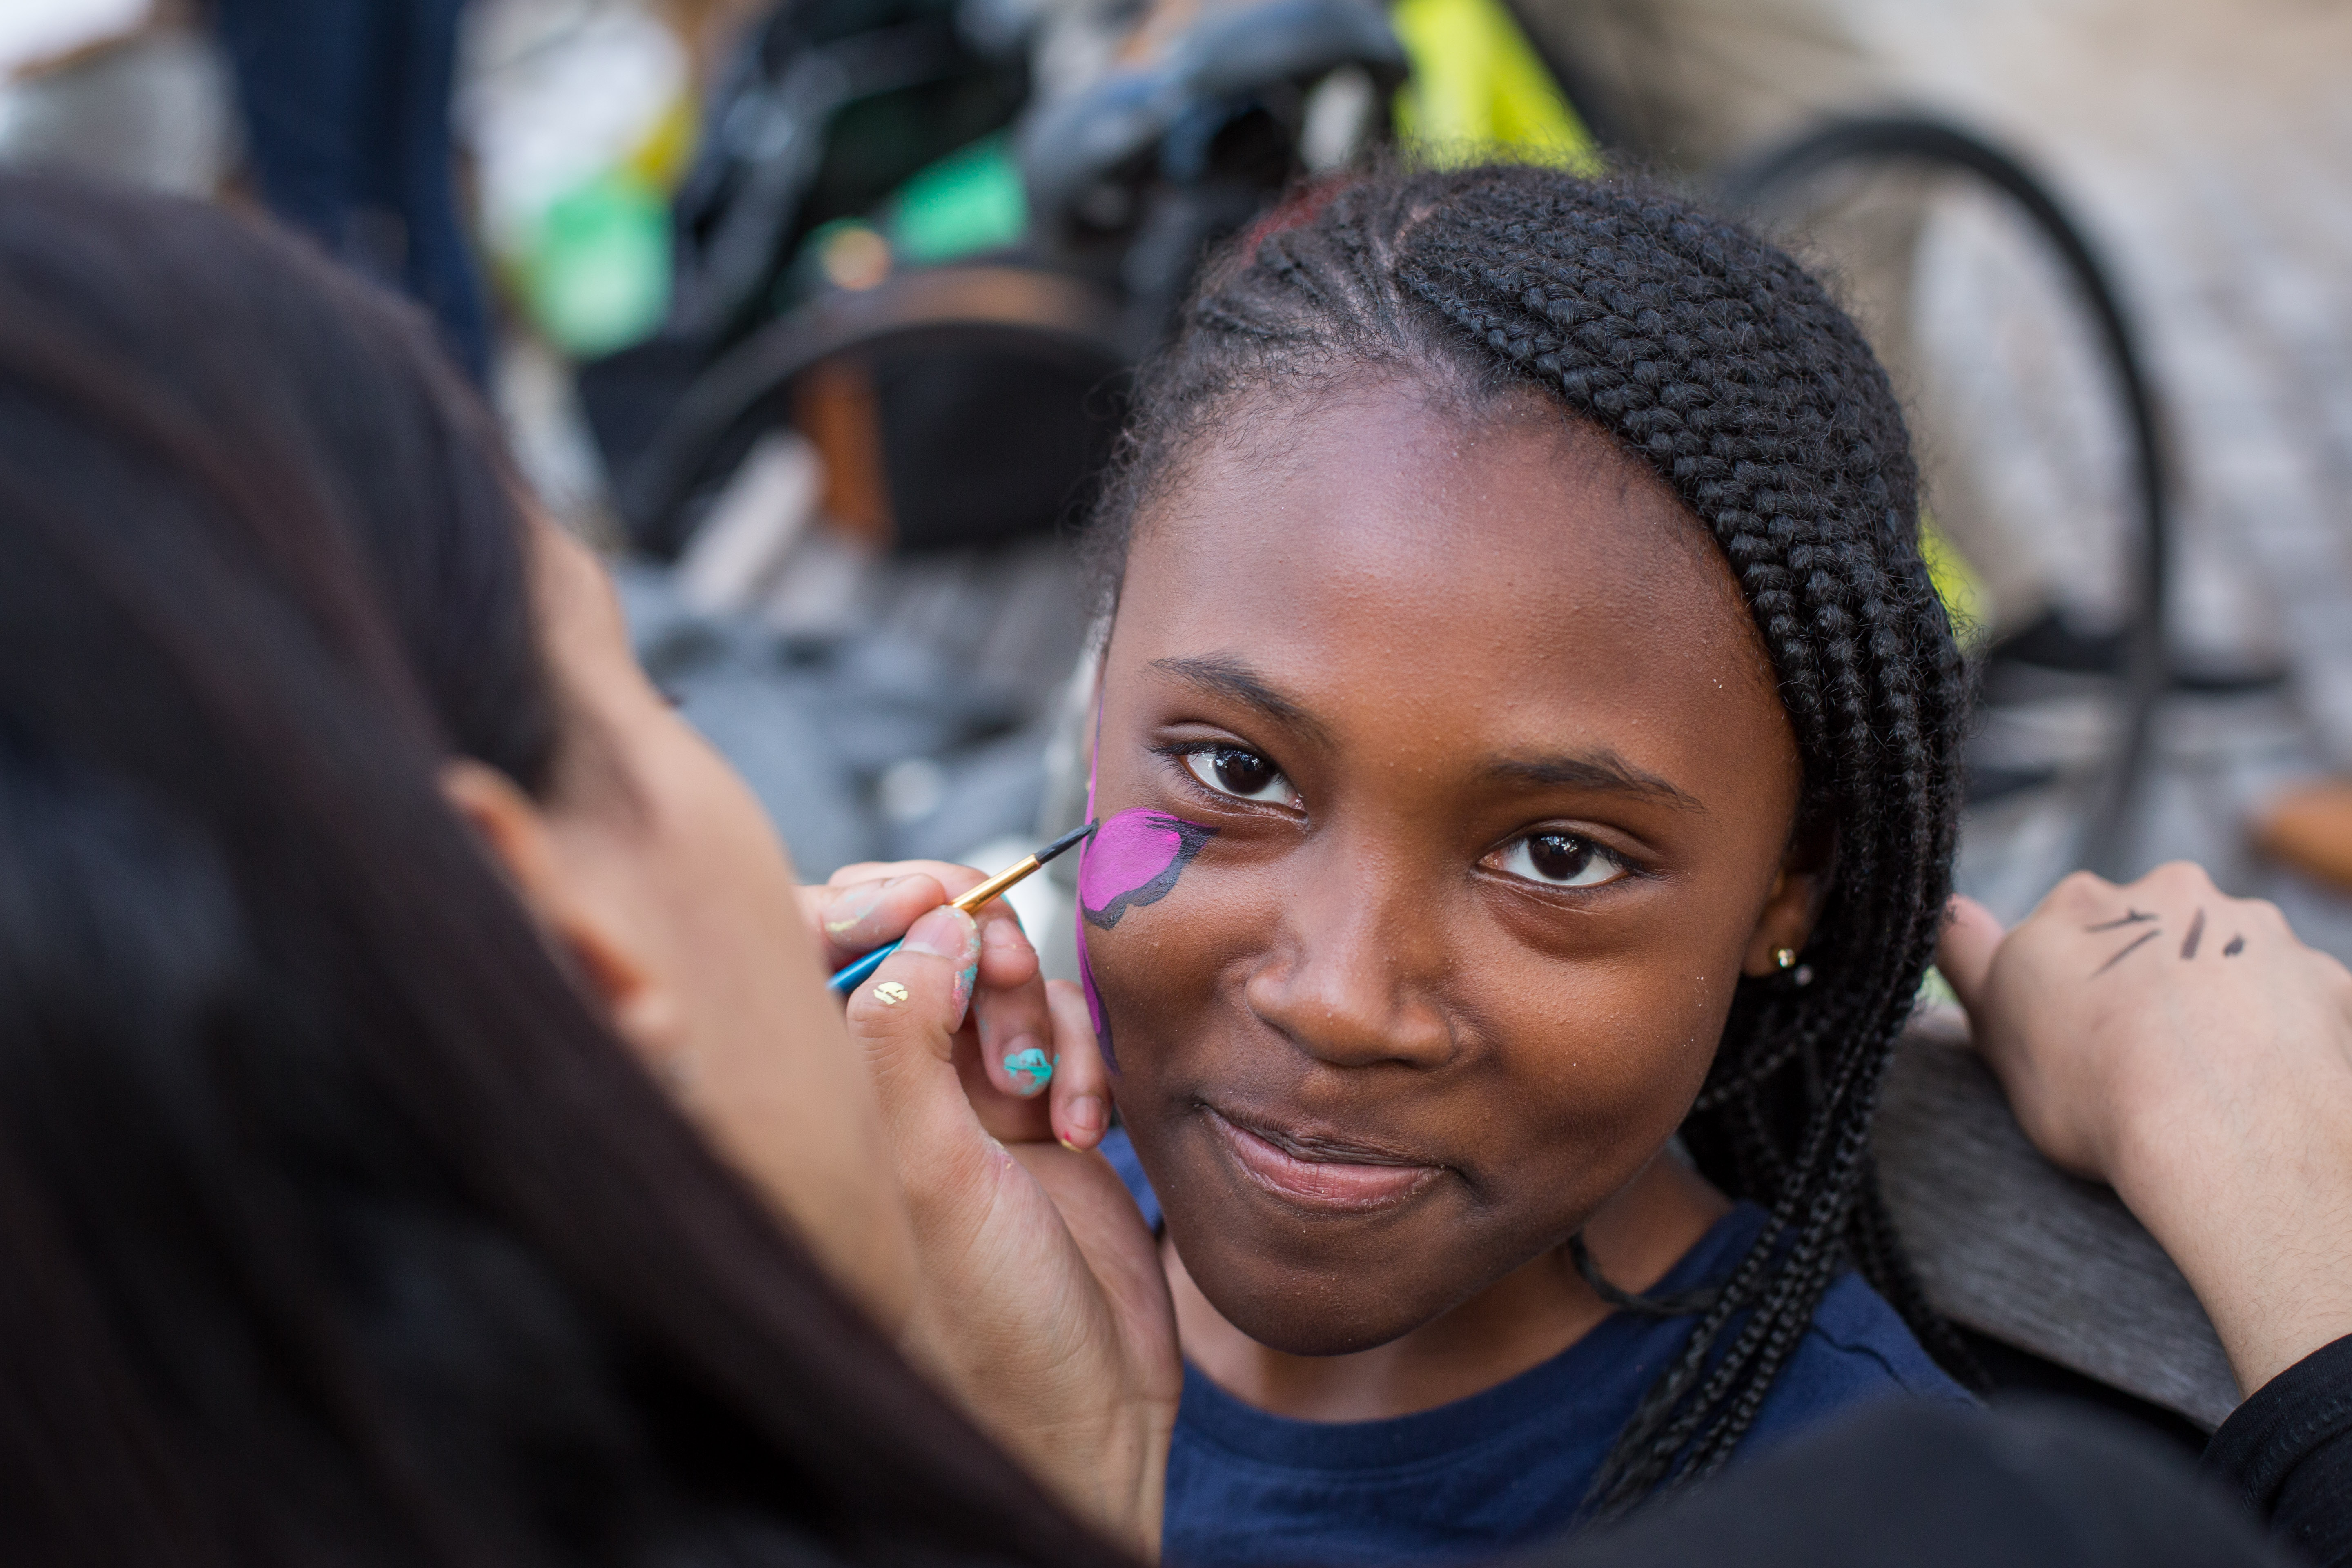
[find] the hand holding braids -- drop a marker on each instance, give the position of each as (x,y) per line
(1714,358)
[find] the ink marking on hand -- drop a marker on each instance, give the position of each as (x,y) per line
(2196,932)
(2144,938)
(2237,945)
(2130,918)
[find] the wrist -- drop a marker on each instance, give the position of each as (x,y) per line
(2263,1236)
(1113,1475)
(1139,1504)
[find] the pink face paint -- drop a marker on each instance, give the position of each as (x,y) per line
(1134,858)
(1079,914)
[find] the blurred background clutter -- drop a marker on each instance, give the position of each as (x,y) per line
(818,316)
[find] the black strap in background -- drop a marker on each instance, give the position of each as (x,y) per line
(2286,1453)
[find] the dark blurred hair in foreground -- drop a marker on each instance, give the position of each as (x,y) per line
(334,1226)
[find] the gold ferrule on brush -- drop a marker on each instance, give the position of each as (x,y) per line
(970,902)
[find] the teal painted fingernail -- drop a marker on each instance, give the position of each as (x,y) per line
(1031,1066)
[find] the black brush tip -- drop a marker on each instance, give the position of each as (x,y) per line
(1075,835)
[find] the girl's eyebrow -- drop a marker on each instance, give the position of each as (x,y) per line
(1602,770)
(1224,675)
(1230,676)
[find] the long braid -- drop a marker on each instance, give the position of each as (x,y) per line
(1715,359)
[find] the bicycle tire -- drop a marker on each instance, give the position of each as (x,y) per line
(1047,313)
(1751,185)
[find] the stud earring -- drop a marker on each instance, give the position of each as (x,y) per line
(1785,957)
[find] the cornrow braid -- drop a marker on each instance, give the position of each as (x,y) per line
(1715,359)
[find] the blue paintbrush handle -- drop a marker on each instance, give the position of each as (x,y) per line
(968,901)
(850,974)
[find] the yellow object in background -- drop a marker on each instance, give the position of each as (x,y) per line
(1956,582)
(580,121)
(658,160)
(1479,89)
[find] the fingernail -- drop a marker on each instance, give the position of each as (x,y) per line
(948,932)
(1085,1114)
(1029,1069)
(855,905)
(945,933)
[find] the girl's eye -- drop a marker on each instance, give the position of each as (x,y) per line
(1561,860)
(1245,776)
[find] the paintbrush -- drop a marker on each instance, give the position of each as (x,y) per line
(969,903)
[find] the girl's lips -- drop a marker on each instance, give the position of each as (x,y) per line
(1332,1182)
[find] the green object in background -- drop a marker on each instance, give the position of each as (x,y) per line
(971,200)
(1956,582)
(1479,89)
(596,277)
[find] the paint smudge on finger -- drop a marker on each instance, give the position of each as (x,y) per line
(1030,1071)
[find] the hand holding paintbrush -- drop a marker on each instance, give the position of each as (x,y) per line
(969,903)
(1041,1302)
(1026,1049)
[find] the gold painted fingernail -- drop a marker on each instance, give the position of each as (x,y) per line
(890,992)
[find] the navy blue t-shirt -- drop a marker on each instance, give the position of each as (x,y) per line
(1247,1490)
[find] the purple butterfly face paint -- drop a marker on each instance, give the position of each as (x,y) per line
(1134,858)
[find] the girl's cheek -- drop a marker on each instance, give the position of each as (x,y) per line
(1166,969)
(1604,1044)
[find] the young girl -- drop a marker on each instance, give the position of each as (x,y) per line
(1527,731)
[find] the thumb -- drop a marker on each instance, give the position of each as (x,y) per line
(1964,954)
(904,1018)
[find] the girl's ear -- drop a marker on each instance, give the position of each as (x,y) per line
(1794,904)
(591,944)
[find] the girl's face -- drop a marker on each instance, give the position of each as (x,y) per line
(1499,795)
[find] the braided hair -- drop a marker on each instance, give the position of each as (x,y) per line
(1715,359)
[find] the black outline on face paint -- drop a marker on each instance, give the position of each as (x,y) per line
(1189,837)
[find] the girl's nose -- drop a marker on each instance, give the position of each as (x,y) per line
(1352,982)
